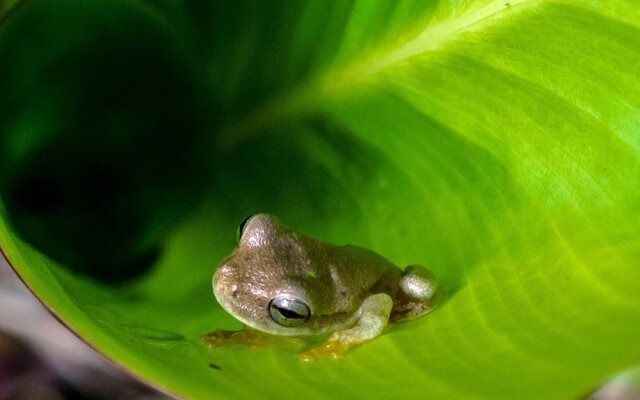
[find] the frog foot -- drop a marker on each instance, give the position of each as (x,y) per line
(419,294)
(373,315)
(330,349)
(251,338)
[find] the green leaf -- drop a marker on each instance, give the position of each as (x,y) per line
(88,140)
(496,142)
(6,6)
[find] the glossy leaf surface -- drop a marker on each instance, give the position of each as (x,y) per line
(496,142)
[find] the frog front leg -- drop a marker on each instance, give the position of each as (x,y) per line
(372,317)
(251,338)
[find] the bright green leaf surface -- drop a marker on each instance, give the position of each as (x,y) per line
(496,142)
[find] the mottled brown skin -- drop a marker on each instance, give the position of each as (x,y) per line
(343,286)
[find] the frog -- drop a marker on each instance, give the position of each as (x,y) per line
(284,286)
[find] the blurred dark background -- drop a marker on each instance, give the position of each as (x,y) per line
(106,127)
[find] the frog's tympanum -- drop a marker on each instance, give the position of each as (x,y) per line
(286,285)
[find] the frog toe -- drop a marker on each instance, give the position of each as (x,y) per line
(330,349)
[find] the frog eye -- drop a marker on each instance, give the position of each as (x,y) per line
(242,226)
(289,312)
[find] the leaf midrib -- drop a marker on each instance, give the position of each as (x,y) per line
(337,82)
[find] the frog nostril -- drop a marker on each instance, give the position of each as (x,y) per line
(234,293)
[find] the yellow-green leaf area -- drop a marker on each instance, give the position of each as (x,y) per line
(497,143)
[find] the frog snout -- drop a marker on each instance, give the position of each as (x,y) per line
(224,286)
(218,283)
